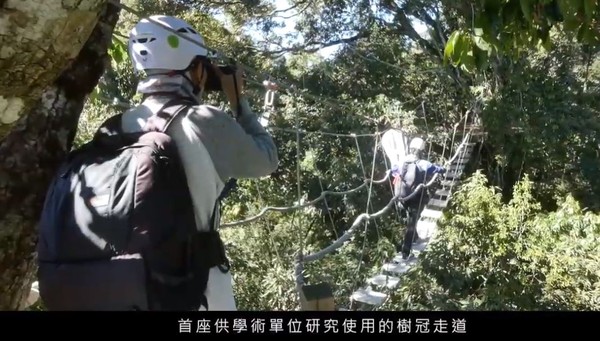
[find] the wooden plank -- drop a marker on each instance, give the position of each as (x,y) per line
(443,192)
(419,247)
(439,197)
(448,183)
(400,266)
(454,168)
(426,228)
(437,203)
(453,175)
(432,214)
(389,282)
(368,296)
(404,263)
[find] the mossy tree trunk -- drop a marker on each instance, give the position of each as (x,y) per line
(52,54)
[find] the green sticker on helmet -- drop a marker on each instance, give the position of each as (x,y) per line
(173,41)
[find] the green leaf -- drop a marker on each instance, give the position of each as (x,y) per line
(592,38)
(584,34)
(526,9)
(481,58)
(94,94)
(569,12)
(459,49)
(589,8)
(545,45)
(511,15)
(450,46)
(117,50)
(467,55)
(482,44)
(483,23)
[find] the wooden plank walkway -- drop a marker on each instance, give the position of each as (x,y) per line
(373,294)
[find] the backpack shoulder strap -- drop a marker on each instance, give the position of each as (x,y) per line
(163,118)
(112,126)
(404,169)
(158,122)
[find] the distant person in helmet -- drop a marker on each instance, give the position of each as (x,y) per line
(413,171)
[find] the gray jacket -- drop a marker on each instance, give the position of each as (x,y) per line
(213,146)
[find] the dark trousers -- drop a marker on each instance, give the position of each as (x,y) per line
(412,211)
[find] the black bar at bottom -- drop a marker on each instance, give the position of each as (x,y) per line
(195,324)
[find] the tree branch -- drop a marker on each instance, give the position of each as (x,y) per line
(294,15)
(321,45)
(440,37)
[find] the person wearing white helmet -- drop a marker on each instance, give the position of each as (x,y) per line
(416,146)
(214,146)
(413,170)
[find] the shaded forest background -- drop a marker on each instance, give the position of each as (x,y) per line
(522,233)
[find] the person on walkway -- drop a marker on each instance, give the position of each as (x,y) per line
(81,265)
(214,146)
(413,171)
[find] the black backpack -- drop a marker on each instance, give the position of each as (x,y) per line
(410,177)
(118,231)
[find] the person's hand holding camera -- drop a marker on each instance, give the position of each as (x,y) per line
(228,86)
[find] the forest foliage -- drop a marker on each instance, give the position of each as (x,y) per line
(521,233)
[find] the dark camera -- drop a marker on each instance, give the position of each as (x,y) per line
(213,82)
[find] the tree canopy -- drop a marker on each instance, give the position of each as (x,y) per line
(493,27)
(520,233)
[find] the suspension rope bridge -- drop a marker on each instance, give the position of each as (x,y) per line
(388,279)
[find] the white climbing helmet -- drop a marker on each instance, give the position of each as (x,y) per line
(151,46)
(417,144)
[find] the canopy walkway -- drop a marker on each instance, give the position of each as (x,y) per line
(373,294)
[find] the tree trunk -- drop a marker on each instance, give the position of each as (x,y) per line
(52,54)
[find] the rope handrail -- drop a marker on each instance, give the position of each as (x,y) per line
(301,259)
(336,244)
(294,207)
(292,89)
(322,132)
(322,196)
